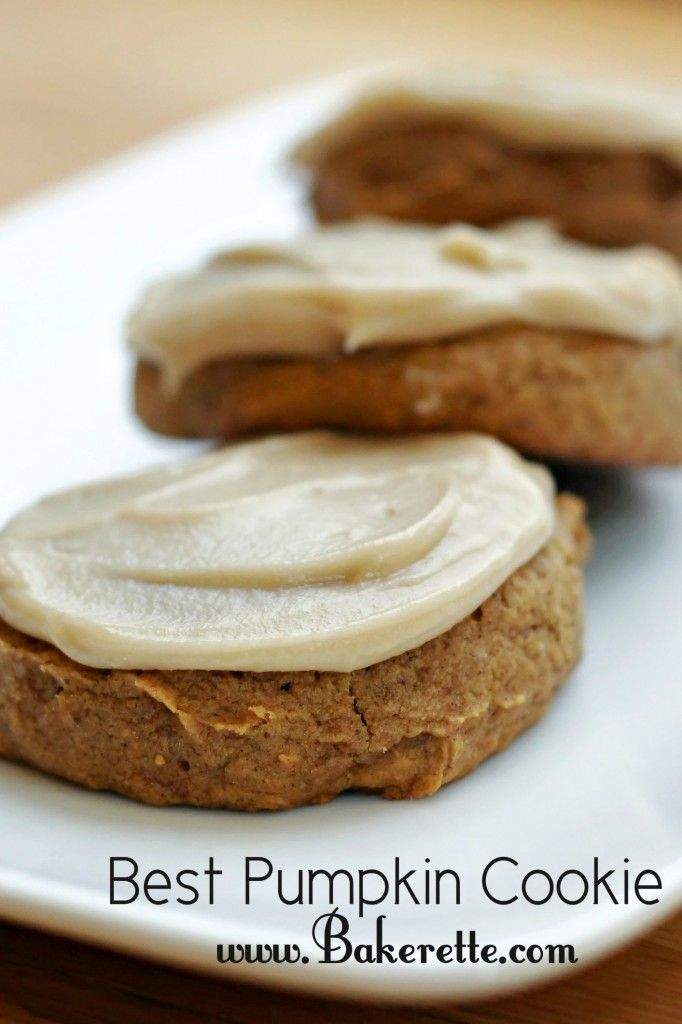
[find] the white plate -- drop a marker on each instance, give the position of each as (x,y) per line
(599,776)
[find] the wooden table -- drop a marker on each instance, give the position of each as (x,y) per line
(47,980)
(81,79)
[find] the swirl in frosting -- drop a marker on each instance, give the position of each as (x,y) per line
(310,551)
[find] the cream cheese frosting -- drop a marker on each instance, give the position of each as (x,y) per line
(531,109)
(309,551)
(372,283)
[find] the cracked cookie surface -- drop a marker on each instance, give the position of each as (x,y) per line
(272,740)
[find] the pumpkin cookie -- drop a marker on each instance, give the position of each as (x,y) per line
(604,163)
(289,618)
(561,349)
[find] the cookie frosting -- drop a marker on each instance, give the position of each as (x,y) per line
(310,551)
(530,109)
(372,283)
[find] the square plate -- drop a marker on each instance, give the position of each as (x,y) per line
(598,777)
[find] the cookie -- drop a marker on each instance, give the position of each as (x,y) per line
(403,727)
(562,350)
(604,164)
(282,620)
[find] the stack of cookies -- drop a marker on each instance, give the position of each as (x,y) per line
(371,589)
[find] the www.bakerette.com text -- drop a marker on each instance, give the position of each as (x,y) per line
(503,881)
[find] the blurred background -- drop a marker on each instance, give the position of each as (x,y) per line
(83,79)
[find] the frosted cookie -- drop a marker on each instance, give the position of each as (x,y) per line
(603,162)
(560,349)
(289,618)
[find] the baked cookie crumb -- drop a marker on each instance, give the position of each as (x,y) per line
(555,394)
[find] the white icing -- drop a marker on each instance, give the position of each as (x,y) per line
(526,108)
(367,284)
(309,551)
